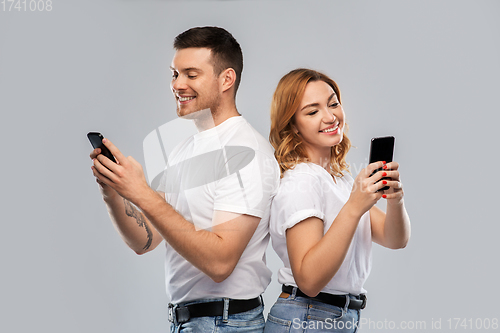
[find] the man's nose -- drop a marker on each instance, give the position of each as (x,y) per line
(179,84)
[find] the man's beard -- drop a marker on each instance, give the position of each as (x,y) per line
(212,105)
(204,118)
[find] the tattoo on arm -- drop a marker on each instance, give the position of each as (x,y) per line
(131,211)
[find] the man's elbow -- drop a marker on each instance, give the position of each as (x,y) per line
(142,250)
(220,272)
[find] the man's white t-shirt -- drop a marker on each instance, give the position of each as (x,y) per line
(306,191)
(230,168)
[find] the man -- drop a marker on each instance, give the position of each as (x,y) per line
(215,226)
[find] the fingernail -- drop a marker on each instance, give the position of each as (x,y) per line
(104,140)
(384,167)
(384,174)
(384,196)
(384,162)
(384,182)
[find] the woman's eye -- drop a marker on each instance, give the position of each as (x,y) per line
(174,76)
(334,105)
(312,113)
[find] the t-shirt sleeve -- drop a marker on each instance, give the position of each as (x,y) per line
(250,183)
(299,197)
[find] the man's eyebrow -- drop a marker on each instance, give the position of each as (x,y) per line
(186,69)
(317,104)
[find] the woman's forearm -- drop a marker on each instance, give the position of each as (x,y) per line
(397,225)
(324,259)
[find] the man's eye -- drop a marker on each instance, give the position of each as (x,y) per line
(192,76)
(174,75)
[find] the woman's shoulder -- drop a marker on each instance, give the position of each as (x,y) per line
(303,176)
(301,172)
(303,168)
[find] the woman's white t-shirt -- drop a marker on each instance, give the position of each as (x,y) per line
(309,190)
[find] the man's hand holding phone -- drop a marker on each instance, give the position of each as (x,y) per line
(126,176)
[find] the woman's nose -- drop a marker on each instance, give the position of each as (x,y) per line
(328,116)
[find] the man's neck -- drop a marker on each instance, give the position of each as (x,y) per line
(216,118)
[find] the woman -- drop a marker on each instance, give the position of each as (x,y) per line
(322,221)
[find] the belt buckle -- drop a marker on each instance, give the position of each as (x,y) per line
(363,298)
(178,314)
(171,312)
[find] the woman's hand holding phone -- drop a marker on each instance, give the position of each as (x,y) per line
(395,191)
(365,190)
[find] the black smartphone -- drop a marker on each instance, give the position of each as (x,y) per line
(382,149)
(95,139)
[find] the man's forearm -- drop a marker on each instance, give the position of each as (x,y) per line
(132,225)
(206,250)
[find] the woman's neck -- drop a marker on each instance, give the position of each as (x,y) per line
(321,158)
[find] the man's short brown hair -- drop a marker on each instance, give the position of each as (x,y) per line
(226,52)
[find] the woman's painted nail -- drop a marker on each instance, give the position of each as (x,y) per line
(384,167)
(384,162)
(384,196)
(384,174)
(384,182)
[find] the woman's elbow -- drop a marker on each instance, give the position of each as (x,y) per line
(399,245)
(309,287)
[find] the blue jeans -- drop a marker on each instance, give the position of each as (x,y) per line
(251,321)
(300,314)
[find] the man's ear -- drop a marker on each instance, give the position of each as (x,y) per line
(227,79)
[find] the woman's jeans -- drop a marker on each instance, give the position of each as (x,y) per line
(251,321)
(300,314)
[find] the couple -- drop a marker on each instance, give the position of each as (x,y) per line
(321,221)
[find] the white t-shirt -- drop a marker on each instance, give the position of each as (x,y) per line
(309,190)
(231,168)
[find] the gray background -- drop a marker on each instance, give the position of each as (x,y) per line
(423,71)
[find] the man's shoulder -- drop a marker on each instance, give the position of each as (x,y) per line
(181,147)
(244,134)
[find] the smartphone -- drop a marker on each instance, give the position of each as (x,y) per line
(95,139)
(382,149)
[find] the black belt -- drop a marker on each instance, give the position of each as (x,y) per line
(337,300)
(182,314)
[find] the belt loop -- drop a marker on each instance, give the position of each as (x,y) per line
(225,313)
(261,300)
(347,301)
(294,292)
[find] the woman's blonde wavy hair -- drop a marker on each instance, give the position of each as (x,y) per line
(287,144)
